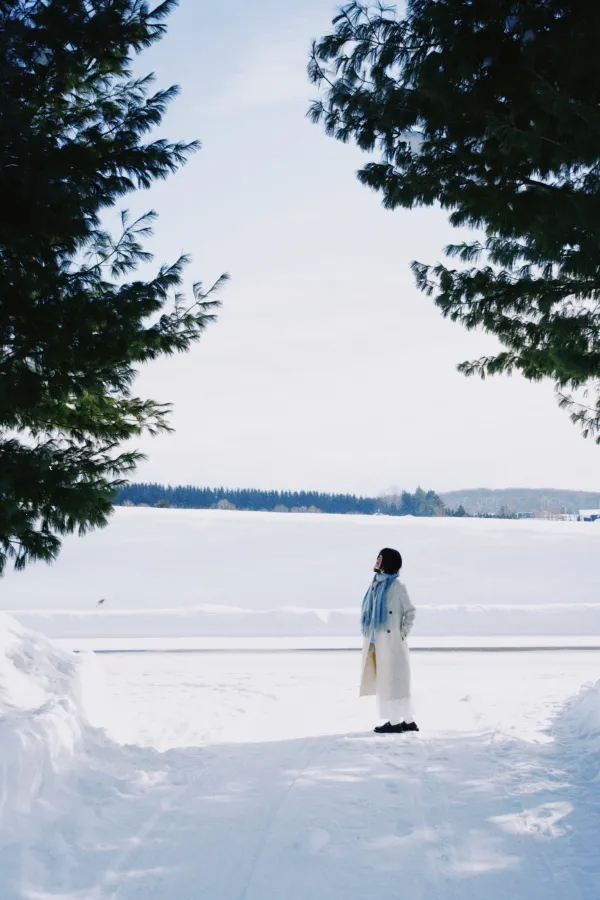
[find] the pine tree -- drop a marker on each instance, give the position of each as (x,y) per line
(74,323)
(492,110)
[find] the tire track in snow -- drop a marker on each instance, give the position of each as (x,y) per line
(434,883)
(257,819)
(166,806)
(309,744)
(323,825)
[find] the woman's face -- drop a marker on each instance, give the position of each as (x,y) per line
(377,567)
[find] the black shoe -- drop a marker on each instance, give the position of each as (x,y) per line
(388,728)
(409,726)
(384,729)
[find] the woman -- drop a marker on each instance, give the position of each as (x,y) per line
(387,618)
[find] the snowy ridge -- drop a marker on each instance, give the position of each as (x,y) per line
(41,721)
(208,620)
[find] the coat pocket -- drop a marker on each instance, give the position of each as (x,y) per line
(403,620)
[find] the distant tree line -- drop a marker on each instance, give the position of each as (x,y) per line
(419,503)
(187,496)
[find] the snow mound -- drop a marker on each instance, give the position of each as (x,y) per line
(579,724)
(41,722)
(581,714)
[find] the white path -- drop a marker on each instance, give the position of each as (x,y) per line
(482,804)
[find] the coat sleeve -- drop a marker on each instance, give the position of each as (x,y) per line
(407,613)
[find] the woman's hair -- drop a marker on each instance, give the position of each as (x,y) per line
(391,561)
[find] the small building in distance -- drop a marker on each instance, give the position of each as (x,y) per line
(553,515)
(588,515)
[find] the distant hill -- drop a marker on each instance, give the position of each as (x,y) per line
(536,500)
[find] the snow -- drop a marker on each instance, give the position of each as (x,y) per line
(250,776)
(41,721)
(218,573)
(580,718)
(222,698)
(158,558)
(255,775)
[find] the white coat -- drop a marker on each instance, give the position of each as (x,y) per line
(386,665)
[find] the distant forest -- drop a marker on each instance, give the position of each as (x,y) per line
(420,503)
(501,503)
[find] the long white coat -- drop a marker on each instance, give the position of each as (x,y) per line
(386,665)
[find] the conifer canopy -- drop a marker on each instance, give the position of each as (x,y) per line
(490,108)
(76,136)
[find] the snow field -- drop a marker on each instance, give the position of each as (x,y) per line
(226,697)
(164,559)
(272,785)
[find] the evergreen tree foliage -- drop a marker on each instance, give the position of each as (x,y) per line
(75,324)
(190,497)
(421,503)
(492,110)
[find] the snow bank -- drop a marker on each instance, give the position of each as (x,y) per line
(41,723)
(433,620)
(579,722)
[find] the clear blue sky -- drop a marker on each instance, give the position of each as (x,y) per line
(327,369)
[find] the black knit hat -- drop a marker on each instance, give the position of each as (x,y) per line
(391,561)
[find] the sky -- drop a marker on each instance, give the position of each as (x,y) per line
(327,369)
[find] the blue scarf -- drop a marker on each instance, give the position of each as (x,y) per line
(374,605)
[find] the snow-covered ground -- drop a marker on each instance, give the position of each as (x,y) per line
(255,776)
(174,573)
(256,697)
